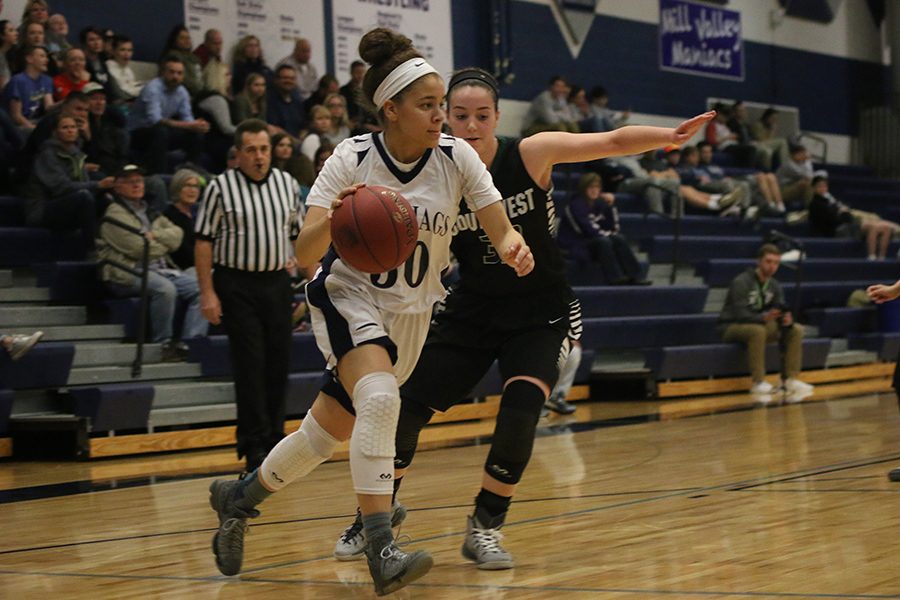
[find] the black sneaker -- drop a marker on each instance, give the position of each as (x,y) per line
(174,351)
(894,474)
(558,404)
(392,568)
(228,542)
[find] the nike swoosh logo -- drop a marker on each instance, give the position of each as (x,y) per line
(419,64)
(556,320)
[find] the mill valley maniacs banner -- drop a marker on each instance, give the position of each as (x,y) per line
(699,39)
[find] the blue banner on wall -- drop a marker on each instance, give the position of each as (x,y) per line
(699,39)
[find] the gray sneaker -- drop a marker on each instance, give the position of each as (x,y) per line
(735,196)
(482,544)
(21,344)
(228,543)
(392,568)
(352,543)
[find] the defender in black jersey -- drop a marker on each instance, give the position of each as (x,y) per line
(523,323)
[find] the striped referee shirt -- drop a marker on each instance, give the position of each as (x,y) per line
(251,223)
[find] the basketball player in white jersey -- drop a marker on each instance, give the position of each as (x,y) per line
(371,328)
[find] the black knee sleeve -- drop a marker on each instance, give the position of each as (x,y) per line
(413,417)
(520,409)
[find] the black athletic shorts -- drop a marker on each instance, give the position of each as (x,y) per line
(527,336)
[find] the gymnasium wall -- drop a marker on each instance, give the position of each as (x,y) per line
(827,71)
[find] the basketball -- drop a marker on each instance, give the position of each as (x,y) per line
(374,230)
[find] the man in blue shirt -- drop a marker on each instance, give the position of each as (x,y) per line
(161,118)
(29,94)
(285,107)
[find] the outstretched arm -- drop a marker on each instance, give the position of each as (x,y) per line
(543,150)
(883,293)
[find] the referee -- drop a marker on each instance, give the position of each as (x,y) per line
(244,229)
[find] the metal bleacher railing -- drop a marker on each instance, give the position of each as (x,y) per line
(137,365)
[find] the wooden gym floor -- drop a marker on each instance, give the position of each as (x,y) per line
(778,502)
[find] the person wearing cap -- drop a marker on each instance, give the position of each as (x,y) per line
(166,283)
(107,138)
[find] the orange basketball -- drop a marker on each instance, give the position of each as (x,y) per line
(374,230)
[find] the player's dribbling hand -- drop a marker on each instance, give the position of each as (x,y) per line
(337,202)
(519,257)
(688,128)
(881,293)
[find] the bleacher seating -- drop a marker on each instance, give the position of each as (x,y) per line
(719,272)
(695,249)
(47,365)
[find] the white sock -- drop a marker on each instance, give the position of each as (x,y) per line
(714,201)
(297,454)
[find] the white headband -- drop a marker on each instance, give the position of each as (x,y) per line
(403,75)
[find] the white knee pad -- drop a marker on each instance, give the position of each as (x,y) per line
(376,399)
(297,454)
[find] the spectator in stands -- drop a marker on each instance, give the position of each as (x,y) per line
(231,159)
(166,283)
(211,48)
(725,140)
(215,99)
(17,345)
(179,44)
(319,129)
(340,123)
(764,134)
(73,76)
(35,11)
(589,231)
(652,173)
(755,313)
(737,123)
(92,42)
(185,190)
(29,94)
(357,111)
(61,195)
(31,37)
(765,185)
(9,37)
(285,158)
(284,106)
(581,110)
(795,178)
(328,84)
(549,111)
(248,58)
(11,143)
(307,79)
(250,103)
(57,34)
(605,118)
(161,118)
(322,154)
(107,131)
(829,217)
(119,67)
(76,106)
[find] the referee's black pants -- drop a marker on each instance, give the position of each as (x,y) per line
(256,313)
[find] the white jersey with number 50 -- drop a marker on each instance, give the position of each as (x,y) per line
(433,186)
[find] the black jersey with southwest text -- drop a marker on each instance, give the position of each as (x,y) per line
(531,212)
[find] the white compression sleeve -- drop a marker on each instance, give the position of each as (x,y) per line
(376,399)
(567,373)
(297,454)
